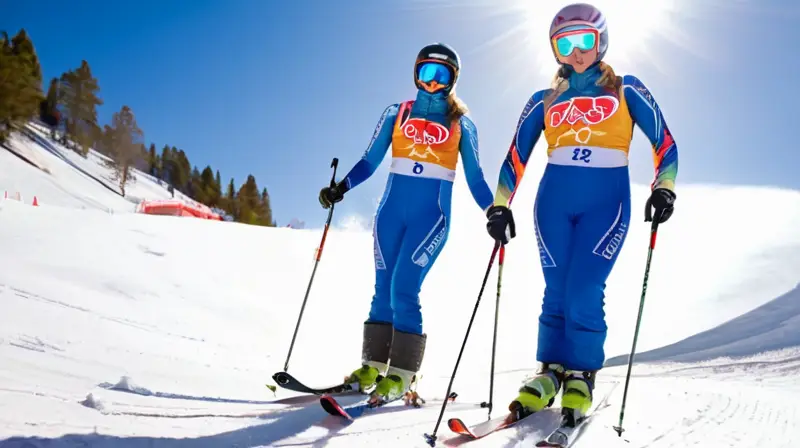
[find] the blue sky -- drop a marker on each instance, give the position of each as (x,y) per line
(277,89)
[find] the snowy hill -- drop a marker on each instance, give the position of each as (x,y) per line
(64,178)
(773,326)
(127,330)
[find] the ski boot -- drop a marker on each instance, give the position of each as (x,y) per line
(577,396)
(375,349)
(366,377)
(539,392)
(401,378)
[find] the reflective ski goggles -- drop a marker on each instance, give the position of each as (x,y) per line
(434,75)
(583,39)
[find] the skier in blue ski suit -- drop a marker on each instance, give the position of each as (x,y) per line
(411,225)
(583,206)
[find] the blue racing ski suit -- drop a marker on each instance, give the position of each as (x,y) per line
(412,222)
(583,204)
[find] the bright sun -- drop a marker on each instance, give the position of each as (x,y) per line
(638,29)
(634,28)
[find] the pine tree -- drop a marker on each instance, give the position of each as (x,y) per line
(103,143)
(142,162)
(253,207)
(30,94)
(167,165)
(48,109)
(152,161)
(266,209)
(230,201)
(249,201)
(20,82)
(78,95)
(182,169)
(207,184)
(217,191)
(124,138)
(195,187)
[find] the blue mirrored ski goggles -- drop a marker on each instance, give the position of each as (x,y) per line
(434,71)
(567,42)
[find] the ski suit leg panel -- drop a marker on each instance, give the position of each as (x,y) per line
(599,236)
(554,238)
(387,232)
(428,227)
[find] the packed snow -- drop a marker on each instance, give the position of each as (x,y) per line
(120,329)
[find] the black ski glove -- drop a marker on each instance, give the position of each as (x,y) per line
(331,195)
(662,200)
(501,223)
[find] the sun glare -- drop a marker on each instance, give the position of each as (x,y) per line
(639,31)
(634,28)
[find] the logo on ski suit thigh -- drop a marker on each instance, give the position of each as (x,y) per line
(430,245)
(608,246)
(380,264)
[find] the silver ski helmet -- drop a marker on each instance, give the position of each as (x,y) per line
(576,17)
(437,68)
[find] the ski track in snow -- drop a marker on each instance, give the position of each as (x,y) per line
(736,409)
(122,330)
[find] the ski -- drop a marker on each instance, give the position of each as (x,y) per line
(356,410)
(566,434)
(287,381)
(483,429)
(570,429)
(352,411)
(488,427)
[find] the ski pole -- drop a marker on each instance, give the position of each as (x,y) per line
(653,233)
(334,165)
(431,438)
(500,261)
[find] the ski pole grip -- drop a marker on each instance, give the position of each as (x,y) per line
(334,165)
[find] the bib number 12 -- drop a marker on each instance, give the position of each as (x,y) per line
(582,154)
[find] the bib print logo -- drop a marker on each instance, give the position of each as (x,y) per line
(581,114)
(424,134)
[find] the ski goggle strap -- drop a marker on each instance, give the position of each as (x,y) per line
(583,39)
(434,75)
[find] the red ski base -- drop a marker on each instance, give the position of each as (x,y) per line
(482,429)
(333,407)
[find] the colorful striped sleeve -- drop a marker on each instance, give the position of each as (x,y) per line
(529,128)
(647,115)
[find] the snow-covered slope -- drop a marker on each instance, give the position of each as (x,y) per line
(65,178)
(197,315)
(771,327)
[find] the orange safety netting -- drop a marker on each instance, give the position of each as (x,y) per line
(177,208)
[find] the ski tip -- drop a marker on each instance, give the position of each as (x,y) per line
(329,404)
(333,407)
(457,425)
(281,377)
